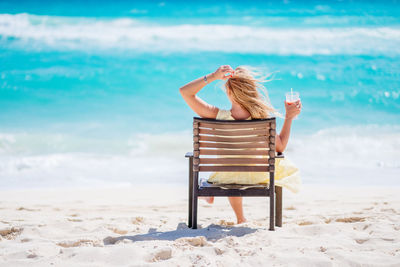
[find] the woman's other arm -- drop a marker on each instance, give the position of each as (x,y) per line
(292,110)
(198,105)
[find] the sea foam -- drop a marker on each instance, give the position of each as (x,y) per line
(358,155)
(79,33)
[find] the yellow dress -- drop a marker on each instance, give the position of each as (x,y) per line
(286,174)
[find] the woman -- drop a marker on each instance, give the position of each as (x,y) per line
(242,89)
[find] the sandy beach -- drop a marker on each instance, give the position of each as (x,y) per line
(97,104)
(322,226)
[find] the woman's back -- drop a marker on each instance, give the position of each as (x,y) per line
(227,115)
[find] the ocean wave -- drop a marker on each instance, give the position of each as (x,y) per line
(28,31)
(59,160)
(139,144)
(350,155)
(356,155)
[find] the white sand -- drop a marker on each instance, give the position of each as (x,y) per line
(132,227)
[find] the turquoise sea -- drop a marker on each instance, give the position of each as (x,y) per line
(89,92)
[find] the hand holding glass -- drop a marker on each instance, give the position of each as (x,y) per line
(292,97)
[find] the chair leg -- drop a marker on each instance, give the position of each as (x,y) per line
(194,199)
(278,206)
(194,212)
(271,202)
(190,191)
(190,211)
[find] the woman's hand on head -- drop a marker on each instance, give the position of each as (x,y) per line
(292,109)
(224,72)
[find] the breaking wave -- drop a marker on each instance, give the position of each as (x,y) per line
(28,31)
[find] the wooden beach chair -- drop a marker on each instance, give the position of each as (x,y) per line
(234,146)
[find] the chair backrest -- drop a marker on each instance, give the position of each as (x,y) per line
(234,145)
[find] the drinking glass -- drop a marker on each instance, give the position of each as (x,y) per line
(292,97)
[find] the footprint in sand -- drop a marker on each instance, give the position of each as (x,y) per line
(10,233)
(225,223)
(302,223)
(366,226)
(361,226)
(22,208)
(80,243)
(160,254)
(74,220)
(138,220)
(219,251)
(32,256)
(109,240)
(361,241)
(350,219)
(198,241)
(118,231)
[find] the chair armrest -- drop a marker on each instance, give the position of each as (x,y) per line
(189,155)
(279,155)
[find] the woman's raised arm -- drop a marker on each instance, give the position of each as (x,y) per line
(189,91)
(292,110)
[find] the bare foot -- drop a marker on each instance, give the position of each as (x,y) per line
(241,220)
(209,200)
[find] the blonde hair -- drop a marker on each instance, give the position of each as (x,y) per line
(248,91)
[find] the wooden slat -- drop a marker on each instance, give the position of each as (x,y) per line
(236,145)
(219,192)
(233,133)
(197,119)
(233,186)
(233,152)
(233,168)
(233,126)
(233,139)
(234,161)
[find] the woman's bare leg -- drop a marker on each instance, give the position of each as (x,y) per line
(209,200)
(237,206)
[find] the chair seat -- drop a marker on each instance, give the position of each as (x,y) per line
(205,184)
